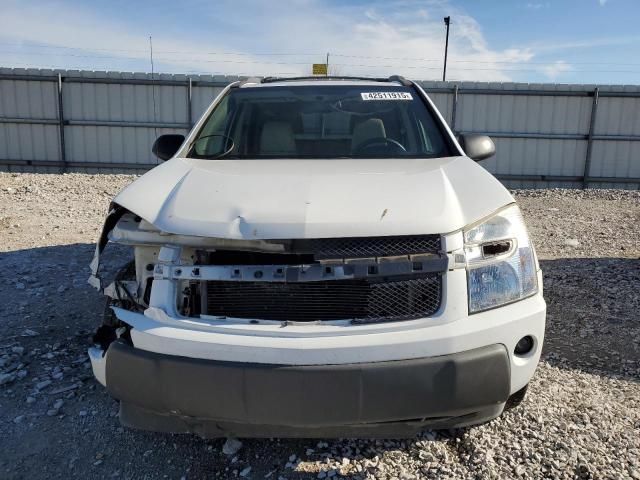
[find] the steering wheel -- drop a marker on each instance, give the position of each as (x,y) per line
(380,142)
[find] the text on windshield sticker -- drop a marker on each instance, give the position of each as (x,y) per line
(386,96)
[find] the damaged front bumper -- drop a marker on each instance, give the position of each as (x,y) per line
(213,398)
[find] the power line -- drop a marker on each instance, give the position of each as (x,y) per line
(187,60)
(35,45)
(184,59)
(258,54)
(173,52)
(300,54)
(397,67)
(457,69)
(181,71)
(524,62)
(157,58)
(64,54)
(412,67)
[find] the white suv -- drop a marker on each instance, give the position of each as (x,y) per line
(318,257)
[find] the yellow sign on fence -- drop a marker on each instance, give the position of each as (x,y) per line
(320,69)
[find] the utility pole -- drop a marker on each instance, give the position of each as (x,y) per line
(447,21)
(327,63)
(153,87)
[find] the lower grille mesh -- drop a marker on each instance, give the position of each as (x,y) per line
(359,300)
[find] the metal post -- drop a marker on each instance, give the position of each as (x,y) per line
(63,150)
(592,125)
(454,108)
(327,64)
(447,21)
(189,103)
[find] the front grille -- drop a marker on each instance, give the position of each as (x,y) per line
(358,300)
(362,247)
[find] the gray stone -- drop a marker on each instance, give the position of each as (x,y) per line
(572,242)
(6,378)
(43,384)
(231,446)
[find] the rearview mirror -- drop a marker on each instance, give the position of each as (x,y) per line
(477,147)
(166,146)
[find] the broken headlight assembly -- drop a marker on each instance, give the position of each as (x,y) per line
(500,261)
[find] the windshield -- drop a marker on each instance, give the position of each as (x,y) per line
(337,121)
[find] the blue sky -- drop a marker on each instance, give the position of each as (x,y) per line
(563,41)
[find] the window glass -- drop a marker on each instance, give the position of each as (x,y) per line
(320,121)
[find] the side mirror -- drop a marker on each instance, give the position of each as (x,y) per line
(477,147)
(166,146)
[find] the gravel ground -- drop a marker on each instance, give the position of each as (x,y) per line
(581,417)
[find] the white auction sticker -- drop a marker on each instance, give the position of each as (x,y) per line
(386,96)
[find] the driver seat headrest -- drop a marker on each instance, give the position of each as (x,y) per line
(367,130)
(277,139)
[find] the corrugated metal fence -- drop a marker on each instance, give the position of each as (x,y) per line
(546,135)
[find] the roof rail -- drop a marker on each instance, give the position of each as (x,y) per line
(240,83)
(393,78)
(401,80)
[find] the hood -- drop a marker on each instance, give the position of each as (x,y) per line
(284,199)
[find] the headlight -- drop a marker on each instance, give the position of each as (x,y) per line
(501,266)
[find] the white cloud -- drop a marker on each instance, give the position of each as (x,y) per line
(102,44)
(394,36)
(602,2)
(562,45)
(555,69)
